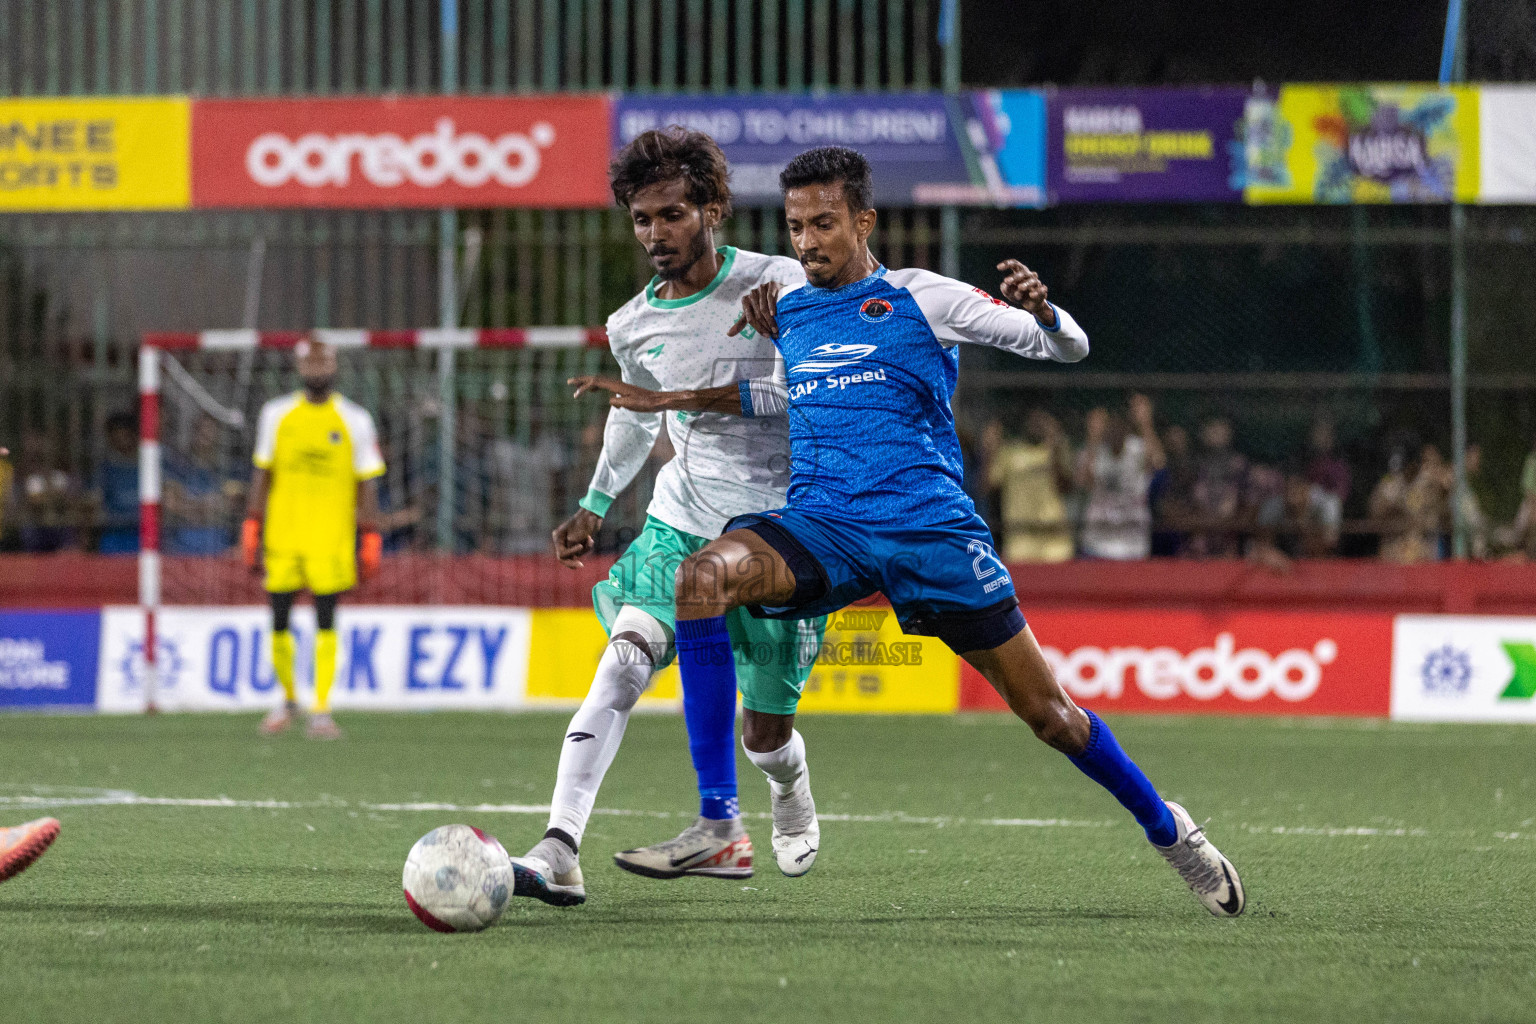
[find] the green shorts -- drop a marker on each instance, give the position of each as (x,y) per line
(773,656)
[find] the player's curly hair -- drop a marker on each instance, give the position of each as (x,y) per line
(666,154)
(832,165)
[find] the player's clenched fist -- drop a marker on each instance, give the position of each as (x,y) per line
(1023,287)
(574,537)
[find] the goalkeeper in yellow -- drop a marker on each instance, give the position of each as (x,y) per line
(317,461)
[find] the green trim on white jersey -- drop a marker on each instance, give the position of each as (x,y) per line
(728,251)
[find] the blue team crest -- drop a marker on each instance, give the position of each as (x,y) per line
(875,310)
(831,356)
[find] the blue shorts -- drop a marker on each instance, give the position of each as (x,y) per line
(943,581)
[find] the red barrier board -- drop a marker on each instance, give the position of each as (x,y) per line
(502,151)
(1183,662)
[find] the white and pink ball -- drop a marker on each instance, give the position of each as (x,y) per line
(457,879)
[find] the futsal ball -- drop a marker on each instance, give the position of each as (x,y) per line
(457,879)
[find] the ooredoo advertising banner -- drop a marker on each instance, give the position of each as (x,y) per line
(1190,662)
(1452,668)
(48,658)
(94,154)
(1146,145)
(1507,143)
(419,151)
(1364,144)
(910,138)
(388,659)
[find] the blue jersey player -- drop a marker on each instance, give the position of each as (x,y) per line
(875,503)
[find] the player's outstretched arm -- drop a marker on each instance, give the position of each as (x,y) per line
(1024,321)
(255,511)
(370,551)
(726,398)
(256,496)
(628,438)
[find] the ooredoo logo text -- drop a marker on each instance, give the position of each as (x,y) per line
(1206,673)
(387,160)
(400,152)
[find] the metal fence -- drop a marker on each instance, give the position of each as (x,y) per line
(349,47)
(1266,316)
(77,290)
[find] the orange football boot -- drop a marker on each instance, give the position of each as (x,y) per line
(20,845)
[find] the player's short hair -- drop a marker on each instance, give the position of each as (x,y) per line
(832,165)
(667,154)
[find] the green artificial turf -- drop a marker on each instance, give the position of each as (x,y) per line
(1399,885)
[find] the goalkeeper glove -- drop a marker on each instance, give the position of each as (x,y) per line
(370,552)
(250,542)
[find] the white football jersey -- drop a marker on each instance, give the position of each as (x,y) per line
(725,465)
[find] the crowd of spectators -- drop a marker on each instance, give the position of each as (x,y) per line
(1126,488)
(46,507)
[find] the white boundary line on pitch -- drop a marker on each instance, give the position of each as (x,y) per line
(125,798)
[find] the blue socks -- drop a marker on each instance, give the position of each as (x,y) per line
(1105,763)
(708,666)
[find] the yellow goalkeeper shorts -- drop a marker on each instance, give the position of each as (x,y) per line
(288,571)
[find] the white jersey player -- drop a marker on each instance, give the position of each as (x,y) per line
(677,336)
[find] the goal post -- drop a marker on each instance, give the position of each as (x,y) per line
(520,444)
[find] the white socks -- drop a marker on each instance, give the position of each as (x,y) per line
(784,766)
(593,737)
(790,784)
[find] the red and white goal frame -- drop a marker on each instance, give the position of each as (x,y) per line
(153,344)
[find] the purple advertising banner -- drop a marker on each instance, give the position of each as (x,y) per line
(910,138)
(1146,145)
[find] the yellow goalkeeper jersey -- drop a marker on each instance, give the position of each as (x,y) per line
(317,453)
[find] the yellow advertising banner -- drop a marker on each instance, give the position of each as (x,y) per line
(1364,144)
(130,153)
(866,665)
(563,654)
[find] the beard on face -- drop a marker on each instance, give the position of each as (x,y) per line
(696,250)
(818,269)
(320,384)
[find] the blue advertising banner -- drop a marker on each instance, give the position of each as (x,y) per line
(910,138)
(1007,129)
(49,658)
(1147,145)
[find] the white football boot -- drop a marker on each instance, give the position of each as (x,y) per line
(1210,876)
(713,849)
(796,832)
(549,872)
